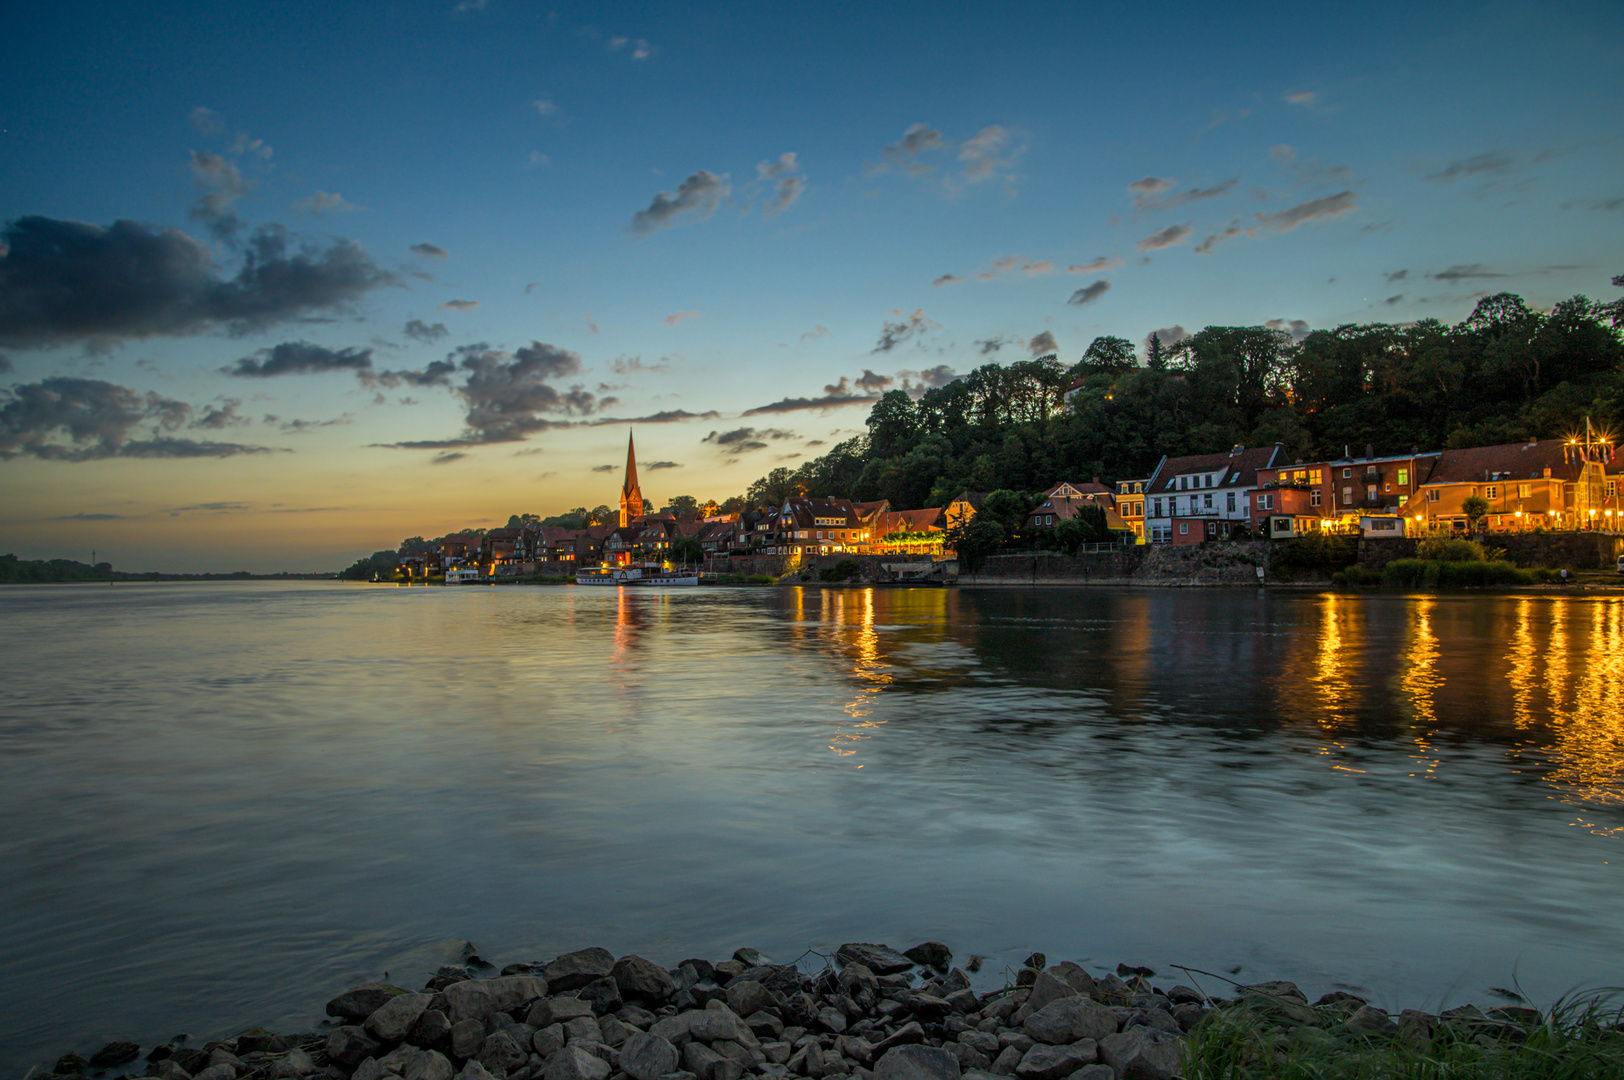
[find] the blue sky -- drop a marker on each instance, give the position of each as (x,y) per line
(645,209)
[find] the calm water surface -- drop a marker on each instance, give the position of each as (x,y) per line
(220,804)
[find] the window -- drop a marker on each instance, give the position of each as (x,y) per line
(1347,493)
(1434,495)
(1184,528)
(1403,477)
(1314,497)
(1316,476)
(1347,474)
(1491,492)
(1370,492)
(1299,476)
(1207,481)
(1265,502)
(1231,502)
(1522,490)
(1206,500)
(1612,488)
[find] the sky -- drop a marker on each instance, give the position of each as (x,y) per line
(283,284)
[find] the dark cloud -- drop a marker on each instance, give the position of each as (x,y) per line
(300,358)
(938,376)
(437,373)
(1490,162)
(991,345)
(300,427)
(654,466)
(1393,299)
(1173,234)
(699,195)
(787,185)
(1297,328)
(446,457)
(222,185)
(1169,335)
(947,279)
(630,365)
(871,382)
(1090,293)
(1469,272)
(64,281)
(91,517)
(669,416)
(894,333)
(421,331)
(1147,192)
(1397,275)
(72,419)
(431,251)
(5,364)
(459,305)
(1043,344)
(222,414)
(828,401)
(746,439)
(603,468)
(1314,210)
(904,153)
(1097,266)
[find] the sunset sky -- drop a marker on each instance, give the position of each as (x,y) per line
(283,284)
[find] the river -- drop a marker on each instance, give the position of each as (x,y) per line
(222,803)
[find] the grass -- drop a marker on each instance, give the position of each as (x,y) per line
(1281,1039)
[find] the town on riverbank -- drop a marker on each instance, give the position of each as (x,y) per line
(870,1012)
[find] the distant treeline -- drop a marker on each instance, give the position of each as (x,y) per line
(15,571)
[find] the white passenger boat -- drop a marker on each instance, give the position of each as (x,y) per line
(465,575)
(635,575)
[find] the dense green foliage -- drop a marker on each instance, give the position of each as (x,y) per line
(380,564)
(1504,374)
(15,570)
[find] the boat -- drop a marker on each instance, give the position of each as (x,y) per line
(648,574)
(465,575)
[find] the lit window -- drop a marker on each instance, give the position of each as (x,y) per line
(1403,477)
(1523,490)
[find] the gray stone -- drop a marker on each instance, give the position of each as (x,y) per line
(565,1008)
(879,959)
(1075,977)
(614,1031)
(549,1040)
(777,1053)
(167,1069)
(293,1063)
(748,1057)
(574,970)
(1053,1062)
(984,1041)
(221,1071)
(368,1070)
(346,1047)
(576,1063)
(1141,1053)
(644,979)
(833,1019)
(477,999)
(1048,987)
(1020,1040)
(396,1060)
(221,1056)
(727,1069)
(647,1057)
(466,1035)
(1160,1019)
(602,994)
(908,1033)
(916,1063)
(1188,1014)
(807,1061)
(1069,1019)
(855,978)
(930,954)
(473,1070)
(765,1025)
(1094,1072)
(69,1064)
(115,1053)
(746,996)
(699,1059)
(717,1021)
(751,958)
(428,1065)
(502,1051)
(360,1002)
(1278,988)
(395,1017)
(583,1029)
(1369,1020)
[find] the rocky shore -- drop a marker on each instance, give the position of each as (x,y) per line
(871,1013)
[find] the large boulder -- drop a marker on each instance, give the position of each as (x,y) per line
(350,1045)
(916,1062)
(647,1057)
(1048,987)
(500,1050)
(428,1065)
(395,1017)
(360,1002)
(746,996)
(576,1063)
(642,979)
(930,954)
(1141,1053)
(1044,1062)
(574,970)
(115,1053)
(880,959)
(477,999)
(1070,1019)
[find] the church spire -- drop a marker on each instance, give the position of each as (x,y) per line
(631,496)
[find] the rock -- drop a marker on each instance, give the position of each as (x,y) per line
(1339,1002)
(1188,1015)
(764,1025)
(167,1069)
(395,1017)
(1004,1064)
(222,1071)
(832,1020)
(346,1047)
(1511,1014)
(583,1029)
(189,1058)
(69,1064)
(856,978)
(1184,995)
(427,1065)
(930,954)
(501,1051)
(879,959)
(466,1036)
(221,1056)
(1094,1072)
(699,1059)
(294,1063)
(115,1053)
(576,1063)
(563,1009)
(963,1001)
(614,1031)
(431,1029)
(602,994)
(1141,1053)
(1369,1020)
(968,1056)
(1053,1062)
(360,1002)
(1278,988)
(1075,977)
(647,1057)
(908,1033)
(777,1052)
(1046,988)
(916,1063)
(1160,1019)
(473,1070)
(984,1041)
(255,1039)
(1069,1019)
(750,958)
(1019,1040)
(717,1021)
(746,996)
(574,970)
(477,999)
(642,979)
(1417,1027)
(549,1040)
(1036,961)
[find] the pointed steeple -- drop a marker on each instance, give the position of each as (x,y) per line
(631,496)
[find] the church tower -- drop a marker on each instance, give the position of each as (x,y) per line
(631,496)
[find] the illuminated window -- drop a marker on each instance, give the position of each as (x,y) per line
(1523,490)
(1491,492)
(1403,477)
(1317,476)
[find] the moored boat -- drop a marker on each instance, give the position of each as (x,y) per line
(635,575)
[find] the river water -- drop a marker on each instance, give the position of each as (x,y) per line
(222,803)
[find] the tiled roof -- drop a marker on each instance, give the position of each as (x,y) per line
(1246,464)
(1511,461)
(906,521)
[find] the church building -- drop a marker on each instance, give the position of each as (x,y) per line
(632,505)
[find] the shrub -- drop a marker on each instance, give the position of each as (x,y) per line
(1451,549)
(844,570)
(761,579)
(1358,576)
(1317,551)
(1462,575)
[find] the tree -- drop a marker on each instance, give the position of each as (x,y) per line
(683,506)
(774,489)
(1476,508)
(1107,355)
(519,521)
(975,541)
(686,549)
(1155,355)
(602,515)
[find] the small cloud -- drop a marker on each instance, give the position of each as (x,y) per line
(871,383)
(324,202)
(1297,328)
(631,365)
(92,516)
(905,152)
(603,468)
(301,427)
(677,316)
(1397,275)
(991,345)
(1493,161)
(300,358)
(1090,293)
(894,333)
(947,279)
(787,185)
(746,439)
(591,324)
(815,333)
(937,376)
(1284,154)
(1146,192)
(207,121)
(446,457)
(418,330)
(459,305)
(1097,266)
(5,361)
(544,107)
(1314,210)
(1167,335)
(428,250)
(655,466)
(221,415)
(1393,299)
(1168,237)
(984,154)
(1468,272)
(698,196)
(1043,344)
(1305,98)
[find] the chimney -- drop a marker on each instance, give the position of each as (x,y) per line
(1370,451)
(1346,453)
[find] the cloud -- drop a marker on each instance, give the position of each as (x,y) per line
(1314,210)
(72,419)
(222,415)
(446,457)
(1393,299)
(91,517)
(815,333)
(640,49)
(418,330)
(677,316)
(1173,234)
(1491,162)
(508,395)
(1469,272)
(870,382)
(428,250)
(544,107)
(668,416)
(300,427)
(300,358)
(1097,266)
(629,365)
(207,121)
(437,373)
(66,281)
(1090,293)
(222,185)
(5,364)
(947,279)
(827,401)
(1169,336)
(1147,192)
(590,324)
(991,345)
(1305,98)
(894,333)
(905,152)
(459,305)
(787,185)
(1297,328)
(325,202)
(1043,344)
(938,376)
(746,439)
(655,466)
(698,196)
(1397,275)
(984,154)
(603,468)
(1284,154)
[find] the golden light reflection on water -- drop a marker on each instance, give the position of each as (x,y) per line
(1422,682)
(1521,665)
(1588,706)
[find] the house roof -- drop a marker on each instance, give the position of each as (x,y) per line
(865,509)
(1510,461)
(974,498)
(891,521)
(805,512)
(1240,467)
(1064,508)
